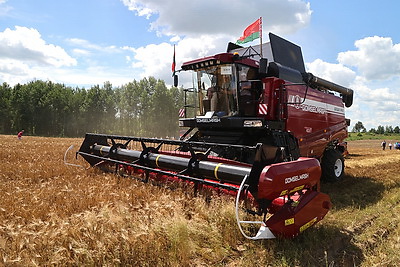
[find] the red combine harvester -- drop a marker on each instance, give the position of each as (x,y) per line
(265,131)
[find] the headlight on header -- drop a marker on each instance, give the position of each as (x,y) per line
(180,123)
(252,123)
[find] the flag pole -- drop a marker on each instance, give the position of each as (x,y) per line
(261,52)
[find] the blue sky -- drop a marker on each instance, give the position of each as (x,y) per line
(82,43)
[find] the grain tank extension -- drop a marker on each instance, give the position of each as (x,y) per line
(264,130)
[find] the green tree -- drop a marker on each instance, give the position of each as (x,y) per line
(5,108)
(23,109)
(148,108)
(100,109)
(389,129)
(143,108)
(76,120)
(359,127)
(380,130)
(130,107)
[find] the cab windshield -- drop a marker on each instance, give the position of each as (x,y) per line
(217,87)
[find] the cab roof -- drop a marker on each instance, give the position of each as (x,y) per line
(218,59)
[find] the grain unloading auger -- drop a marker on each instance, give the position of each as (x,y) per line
(264,130)
(285,194)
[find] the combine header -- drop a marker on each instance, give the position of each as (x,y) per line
(265,131)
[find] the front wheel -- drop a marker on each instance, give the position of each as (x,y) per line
(332,165)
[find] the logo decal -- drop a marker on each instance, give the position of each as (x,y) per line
(305,105)
(297,178)
(208,120)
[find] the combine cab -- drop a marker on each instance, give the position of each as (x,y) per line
(265,131)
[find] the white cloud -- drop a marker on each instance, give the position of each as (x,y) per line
(373,104)
(175,39)
(138,7)
(336,73)
(81,52)
(26,56)
(203,28)
(221,17)
(375,80)
(198,28)
(15,71)
(376,58)
(155,60)
(377,61)
(13,66)
(88,46)
(26,45)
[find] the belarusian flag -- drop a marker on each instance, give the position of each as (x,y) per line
(173,63)
(251,33)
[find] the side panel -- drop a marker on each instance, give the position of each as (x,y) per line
(288,177)
(315,118)
(270,98)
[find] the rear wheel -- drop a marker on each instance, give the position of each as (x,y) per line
(332,165)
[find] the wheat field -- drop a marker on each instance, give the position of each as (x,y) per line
(54,214)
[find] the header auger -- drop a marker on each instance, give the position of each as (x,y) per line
(265,132)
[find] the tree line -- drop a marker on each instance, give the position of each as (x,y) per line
(359,128)
(140,108)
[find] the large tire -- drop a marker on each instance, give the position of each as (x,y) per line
(332,165)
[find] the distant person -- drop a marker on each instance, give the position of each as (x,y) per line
(19,135)
(383,145)
(390,146)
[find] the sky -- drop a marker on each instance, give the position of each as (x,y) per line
(83,43)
